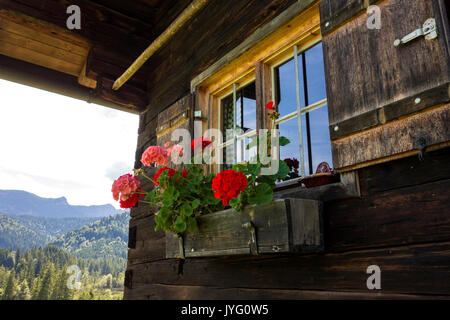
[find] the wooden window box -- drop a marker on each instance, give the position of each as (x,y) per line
(285,225)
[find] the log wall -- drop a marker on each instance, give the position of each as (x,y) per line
(401,222)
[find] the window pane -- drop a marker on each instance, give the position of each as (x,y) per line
(286,87)
(315,74)
(249,112)
(245,120)
(289,129)
(320,137)
(227,114)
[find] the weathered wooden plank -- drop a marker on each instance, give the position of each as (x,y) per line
(334,13)
(429,98)
(419,269)
(395,139)
(416,214)
(183,59)
(177,292)
(405,172)
(46,79)
(149,244)
(128,96)
(366,66)
(260,34)
(291,225)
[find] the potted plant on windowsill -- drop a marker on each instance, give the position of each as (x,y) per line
(191,206)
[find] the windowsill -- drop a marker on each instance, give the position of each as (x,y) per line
(336,190)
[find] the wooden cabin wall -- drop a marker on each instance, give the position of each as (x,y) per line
(401,223)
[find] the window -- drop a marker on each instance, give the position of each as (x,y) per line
(300,95)
(238,113)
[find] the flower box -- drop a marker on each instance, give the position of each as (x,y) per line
(282,226)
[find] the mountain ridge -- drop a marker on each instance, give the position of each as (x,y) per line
(20,202)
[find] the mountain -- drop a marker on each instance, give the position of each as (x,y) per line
(104,238)
(17,202)
(28,231)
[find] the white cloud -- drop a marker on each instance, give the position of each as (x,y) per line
(56,146)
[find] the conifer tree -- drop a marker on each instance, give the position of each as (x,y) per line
(10,289)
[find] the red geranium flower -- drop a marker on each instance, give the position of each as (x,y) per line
(228,184)
(170,174)
(131,201)
(124,186)
(270,105)
(200,142)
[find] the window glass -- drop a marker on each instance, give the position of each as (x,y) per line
(320,137)
(316,139)
(315,74)
(245,116)
(286,88)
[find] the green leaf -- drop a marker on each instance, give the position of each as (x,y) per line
(164,213)
(270,180)
(186,210)
(284,141)
(254,169)
(195,203)
(180,224)
(283,170)
(263,194)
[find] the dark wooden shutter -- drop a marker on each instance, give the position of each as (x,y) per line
(385,101)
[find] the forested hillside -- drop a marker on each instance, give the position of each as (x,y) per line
(98,249)
(43,274)
(104,238)
(27,231)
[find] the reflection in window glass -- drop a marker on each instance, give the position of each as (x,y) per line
(315,74)
(320,137)
(316,139)
(245,117)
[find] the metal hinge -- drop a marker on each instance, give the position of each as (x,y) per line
(428,30)
(252,243)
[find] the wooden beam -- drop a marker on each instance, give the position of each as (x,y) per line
(187,14)
(35,41)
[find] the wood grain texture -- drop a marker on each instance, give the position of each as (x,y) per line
(392,139)
(415,214)
(334,13)
(291,225)
(366,66)
(419,269)
(407,106)
(193,50)
(178,292)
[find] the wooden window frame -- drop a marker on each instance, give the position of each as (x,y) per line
(257,62)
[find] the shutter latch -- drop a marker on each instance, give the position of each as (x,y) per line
(428,30)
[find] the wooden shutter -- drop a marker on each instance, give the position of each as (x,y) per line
(385,101)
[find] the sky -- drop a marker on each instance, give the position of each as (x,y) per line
(54,146)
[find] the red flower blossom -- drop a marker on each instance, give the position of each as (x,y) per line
(228,184)
(131,201)
(155,154)
(170,174)
(270,105)
(124,187)
(200,142)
